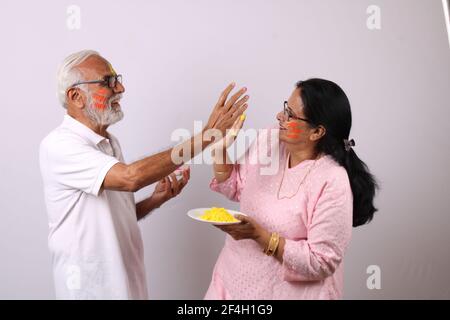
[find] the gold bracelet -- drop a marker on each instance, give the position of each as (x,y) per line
(220,172)
(273,244)
(268,250)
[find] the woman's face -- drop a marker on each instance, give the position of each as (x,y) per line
(292,129)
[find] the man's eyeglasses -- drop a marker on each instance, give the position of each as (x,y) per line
(288,114)
(108,81)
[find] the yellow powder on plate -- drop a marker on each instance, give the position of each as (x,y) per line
(218,215)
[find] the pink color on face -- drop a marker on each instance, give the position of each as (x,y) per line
(99,99)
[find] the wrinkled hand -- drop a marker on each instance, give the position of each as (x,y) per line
(170,187)
(226,112)
(247,229)
(231,134)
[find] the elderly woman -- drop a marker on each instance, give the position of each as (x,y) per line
(298,225)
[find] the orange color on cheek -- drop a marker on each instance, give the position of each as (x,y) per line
(100,99)
(293,130)
(100,105)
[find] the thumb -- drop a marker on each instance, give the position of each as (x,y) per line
(242,218)
(237,125)
(241,121)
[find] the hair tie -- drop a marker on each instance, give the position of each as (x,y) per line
(348,144)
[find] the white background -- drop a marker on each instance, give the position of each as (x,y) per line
(176,57)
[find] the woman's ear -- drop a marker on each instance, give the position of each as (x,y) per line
(318,133)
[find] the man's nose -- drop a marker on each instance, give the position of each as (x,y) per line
(119,88)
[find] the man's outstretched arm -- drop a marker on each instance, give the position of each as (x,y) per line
(132,177)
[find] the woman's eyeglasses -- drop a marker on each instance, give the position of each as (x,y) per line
(288,114)
(108,81)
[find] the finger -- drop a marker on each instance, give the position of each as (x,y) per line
(183,183)
(168,186)
(175,184)
(242,218)
(227,228)
(220,227)
(234,98)
(188,172)
(238,113)
(240,121)
(237,126)
(240,102)
(161,185)
(186,175)
(184,180)
(224,95)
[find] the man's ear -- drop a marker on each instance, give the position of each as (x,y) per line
(318,133)
(75,98)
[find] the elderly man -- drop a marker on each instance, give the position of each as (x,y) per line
(94,239)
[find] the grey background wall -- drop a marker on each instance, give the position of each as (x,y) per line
(176,56)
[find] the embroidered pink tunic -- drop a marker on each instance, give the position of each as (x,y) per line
(316,223)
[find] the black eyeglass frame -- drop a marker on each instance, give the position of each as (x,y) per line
(109,81)
(289,115)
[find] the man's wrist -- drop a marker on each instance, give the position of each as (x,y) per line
(155,203)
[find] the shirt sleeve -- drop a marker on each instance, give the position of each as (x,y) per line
(233,186)
(328,234)
(76,164)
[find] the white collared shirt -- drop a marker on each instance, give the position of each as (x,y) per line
(94,240)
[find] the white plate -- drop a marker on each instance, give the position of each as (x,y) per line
(197,213)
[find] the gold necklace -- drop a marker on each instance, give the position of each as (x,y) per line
(282,178)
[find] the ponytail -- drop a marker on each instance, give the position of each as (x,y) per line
(326,104)
(363,186)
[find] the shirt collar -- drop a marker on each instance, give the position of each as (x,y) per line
(77,127)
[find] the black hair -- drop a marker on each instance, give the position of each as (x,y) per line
(326,104)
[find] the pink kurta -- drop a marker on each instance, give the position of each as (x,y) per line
(316,223)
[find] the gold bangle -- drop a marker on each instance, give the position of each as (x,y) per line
(268,250)
(273,244)
(220,172)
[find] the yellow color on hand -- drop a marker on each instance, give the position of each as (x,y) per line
(218,215)
(243,117)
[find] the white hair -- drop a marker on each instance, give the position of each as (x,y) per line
(68,74)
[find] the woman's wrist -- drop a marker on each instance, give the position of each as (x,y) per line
(263,238)
(222,175)
(219,154)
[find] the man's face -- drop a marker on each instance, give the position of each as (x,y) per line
(102,103)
